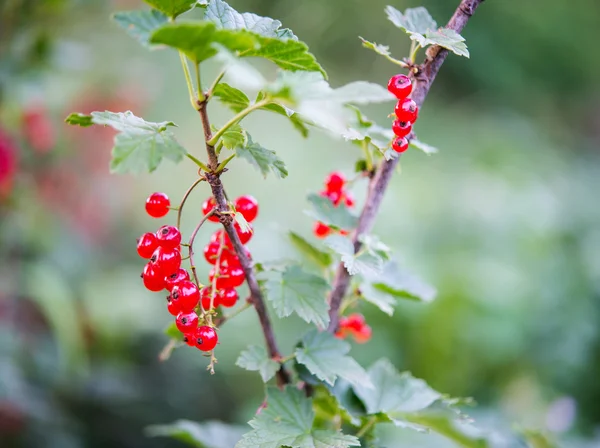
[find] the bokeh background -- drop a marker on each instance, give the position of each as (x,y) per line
(504,221)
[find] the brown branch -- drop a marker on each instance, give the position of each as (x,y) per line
(226,219)
(424,77)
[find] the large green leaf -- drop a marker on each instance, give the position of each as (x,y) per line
(325,357)
(414,20)
(287,421)
(449,39)
(172,8)
(140,146)
(364,262)
(310,252)
(262,158)
(140,24)
(211,434)
(232,97)
(256,359)
(297,291)
(324,211)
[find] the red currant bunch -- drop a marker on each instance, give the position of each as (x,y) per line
(354,325)
(335,191)
(406,111)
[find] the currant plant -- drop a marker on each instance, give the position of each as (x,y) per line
(322,396)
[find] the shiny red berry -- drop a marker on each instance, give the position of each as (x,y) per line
(146,245)
(400,86)
(247,206)
(236,277)
(400,144)
(186,294)
(205,296)
(321,230)
(206,338)
(211,252)
(363,335)
(335,182)
(153,278)
(187,322)
(177,277)
(166,261)
(173,306)
(244,236)
(406,110)
(169,237)
(401,128)
(228,297)
(354,321)
(157,205)
(231,259)
(190,338)
(207,206)
(222,280)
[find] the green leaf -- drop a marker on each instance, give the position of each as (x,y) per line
(256,359)
(297,291)
(427,149)
(172,8)
(374,245)
(325,357)
(173,332)
(280,109)
(234,137)
(318,257)
(287,421)
(140,24)
(245,226)
(364,262)
(382,50)
(324,211)
(264,159)
(224,16)
(140,146)
(414,20)
(210,434)
(361,129)
(449,39)
(197,39)
(232,97)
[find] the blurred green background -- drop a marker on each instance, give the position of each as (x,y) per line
(504,221)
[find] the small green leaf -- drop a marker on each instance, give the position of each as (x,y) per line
(173,332)
(234,137)
(318,257)
(244,225)
(449,39)
(232,97)
(140,146)
(172,8)
(287,421)
(427,149)
(256,359)
(140,24)
(398,284)
(264,159)
(364,262)
(374,245)
(324,211)
(382,50)
(210,434)
(414,20)
(297,291)
(325,357)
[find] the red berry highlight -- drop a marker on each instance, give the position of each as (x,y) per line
(186,322)
(228,297)
(401,128)
(146,245)
(153,278)
(400,86)
(166,261)
(157,205)
(247,206)
(169,237)
(186,294)
(406,110)
(209,205)
(400,144)
(176,278)
(236,277)
(206,338)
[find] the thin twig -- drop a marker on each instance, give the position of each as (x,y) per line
(185,196)
(379,183)
(191,250)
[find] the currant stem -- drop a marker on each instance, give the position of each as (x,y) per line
(191,251)
(217,80)
(198,86)
(213,291)
(185,196)
(368,155)
(237,311)
(224,163)
(197,162)
(366,427)
(188,80)
(414,48)
(235,119)
(287,358)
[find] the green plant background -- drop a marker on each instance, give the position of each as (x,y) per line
(504,221)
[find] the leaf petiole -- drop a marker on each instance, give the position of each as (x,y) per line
(198,162)
(188,80)
(235,119)
(224,163)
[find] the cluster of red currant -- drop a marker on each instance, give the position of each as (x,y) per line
(406,111)
(336,192)
(354,325)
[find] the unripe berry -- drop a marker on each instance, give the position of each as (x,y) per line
(166,261)
(206,338)
(169,237)
(407,110)
(335,182)
(400,144)
(247,206)
(186,322)
(401,128)
(207,206)
(153,278)
(400,86)
(186,294)
(157,205)
(321,230)
(228,297)
(146,245)
(177,277)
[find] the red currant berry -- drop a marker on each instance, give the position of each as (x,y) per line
(363,335)
(335,182)
(207,206)
(206,338)
(354,322)
(187,322)
(244,236)
(321,230)
(228,297)
(169,237)
(400,144)
(211,252)
(186,294)
(349,200)
(231,259)
(236,277)
(173,306)
(153,278)
(247,206)
(342,333)
(406,110)
(146,245)
(205,296)
(334,196)
(190,339)
(177,277)
(157,205)
(222,280)
(401,128)
(166,261)
(400,86)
